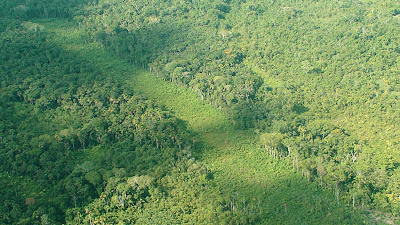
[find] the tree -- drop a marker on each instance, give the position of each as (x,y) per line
(272,142)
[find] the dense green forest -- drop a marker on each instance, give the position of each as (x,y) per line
(199,112)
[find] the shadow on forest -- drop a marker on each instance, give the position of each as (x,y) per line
(58,132)
(44,9)
(281,198)
(284,197)
(143,45)
(254,184)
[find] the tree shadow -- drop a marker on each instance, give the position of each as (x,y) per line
(36,9)
(47,134)
(267,191)
(283,199)
(144,45)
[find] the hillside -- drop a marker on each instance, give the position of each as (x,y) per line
(160,113)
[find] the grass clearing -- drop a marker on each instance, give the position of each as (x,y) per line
(242,171)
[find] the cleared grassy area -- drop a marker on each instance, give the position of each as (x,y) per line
(268,79)
(183,102)
(254,183)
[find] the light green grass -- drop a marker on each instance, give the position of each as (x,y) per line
(265,75)
(182,101)
(185,103)
(241,170)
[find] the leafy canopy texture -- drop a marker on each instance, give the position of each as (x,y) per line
(301,103)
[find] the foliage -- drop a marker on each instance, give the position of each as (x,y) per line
(310,87)
(72,129)
(322,74)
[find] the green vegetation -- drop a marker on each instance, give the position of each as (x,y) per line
(199,112)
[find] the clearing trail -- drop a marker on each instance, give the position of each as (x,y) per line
(240,168)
